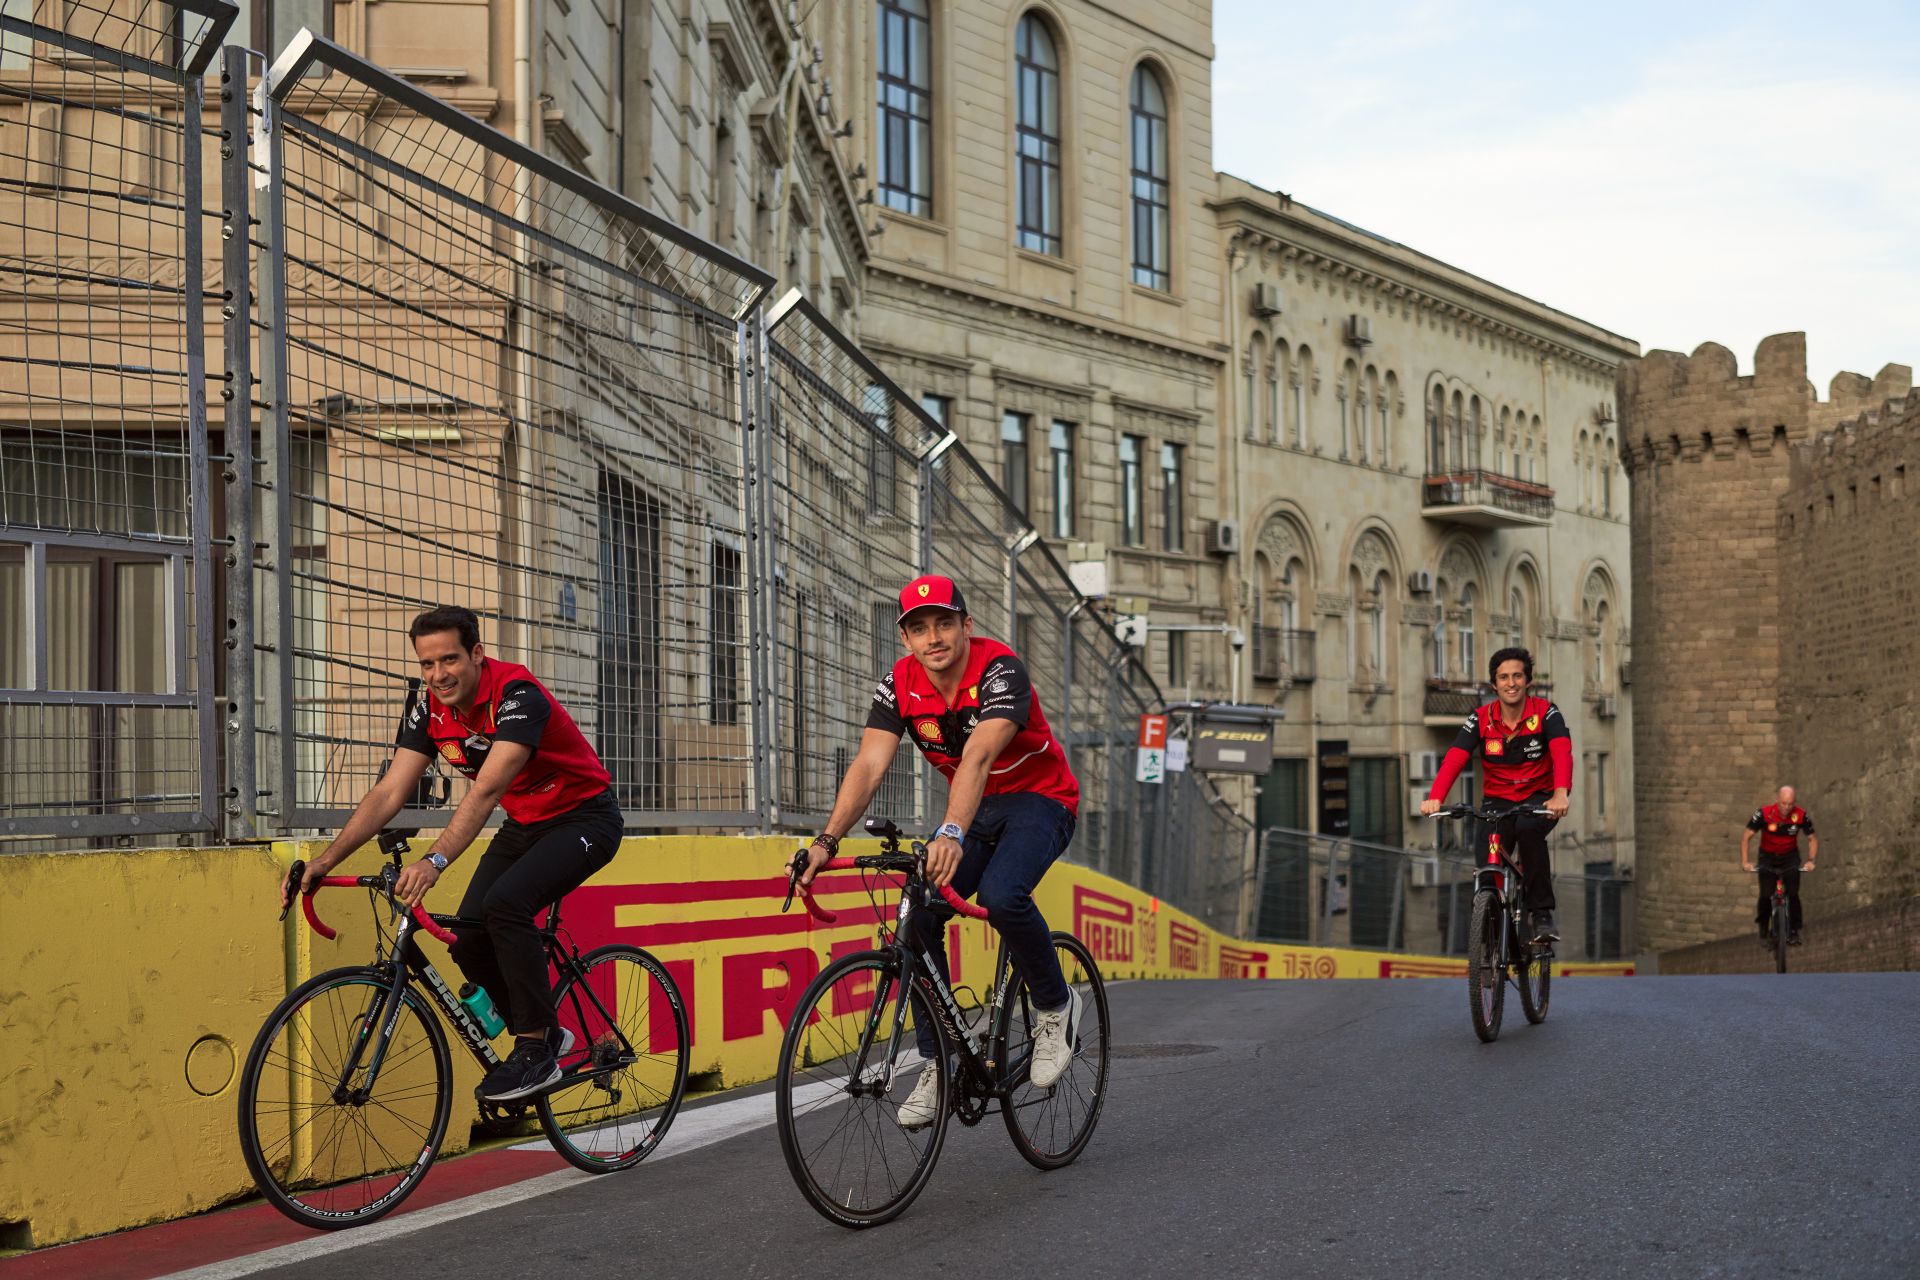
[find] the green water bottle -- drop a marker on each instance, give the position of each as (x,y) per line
(480,1005)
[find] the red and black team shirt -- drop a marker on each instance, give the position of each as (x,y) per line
(1780,829)
(995,687)
(1535,755)
(564,771)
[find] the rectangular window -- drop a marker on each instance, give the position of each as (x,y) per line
(1133,498)
(1013,458)
(1037,138)
(1176,659)
(939,408)
(724,589)
(631,622)
(1060,453)
(1172,498)
(1600,761)
(903,123)
(883,464)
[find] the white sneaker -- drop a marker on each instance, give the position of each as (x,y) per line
(1055,1034)
(918,1109)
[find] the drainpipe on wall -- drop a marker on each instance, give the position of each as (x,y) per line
(1236,260)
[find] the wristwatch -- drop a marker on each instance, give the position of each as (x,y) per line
(951,830)
(439,861)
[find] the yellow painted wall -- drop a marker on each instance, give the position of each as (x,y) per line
(117,964)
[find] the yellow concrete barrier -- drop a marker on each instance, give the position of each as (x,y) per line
(135,982)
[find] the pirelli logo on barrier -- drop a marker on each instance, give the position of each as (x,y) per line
(1242,962)
(1106,924)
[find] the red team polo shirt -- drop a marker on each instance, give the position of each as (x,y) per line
(1780,830)
(1534,756)
(995,687)
(564,771)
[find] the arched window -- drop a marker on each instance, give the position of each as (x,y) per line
(1248,380)
(1440,645)
(1368,390)
(1600,619)
(1152,237)
(1301,381)
(1456,446)
(1037,135)
(1606,478)
(1437,431)
(1476,434)
(903,126)
(1580,467)
(1469,649)
(1348,394)
(1388,405)
(1377,621)
(1517,604)
(1275,361)
(1500,441)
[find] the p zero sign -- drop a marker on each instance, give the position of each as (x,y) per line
(1232,746)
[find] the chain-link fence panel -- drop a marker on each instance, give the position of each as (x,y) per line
(106,672)
(845,513)
(496,383)
(1332,891)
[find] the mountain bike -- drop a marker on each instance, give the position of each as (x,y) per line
(1500,948)
(346,1093)
(850,1054)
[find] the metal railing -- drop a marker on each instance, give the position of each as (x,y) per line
(1490,489)
(106,636)
(1282,655)
(1332,891)
(467,374)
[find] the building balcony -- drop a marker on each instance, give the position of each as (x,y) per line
(1486,500)
(1281,656)
(1448,702)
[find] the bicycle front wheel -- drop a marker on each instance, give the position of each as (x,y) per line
(626,1073)
(1486,981)
(1052,1126)
(328,1145)
(1780,934)
(847,1064)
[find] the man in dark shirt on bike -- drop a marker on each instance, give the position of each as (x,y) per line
(1012,802)
(1779,826)
(518,747)
(1526,762)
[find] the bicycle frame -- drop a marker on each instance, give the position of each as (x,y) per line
(409,962)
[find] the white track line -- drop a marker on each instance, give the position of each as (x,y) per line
(701,1127)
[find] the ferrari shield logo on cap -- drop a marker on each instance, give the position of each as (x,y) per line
(924,588)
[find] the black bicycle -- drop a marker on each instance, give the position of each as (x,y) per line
(346,1093)
(1500,948)
(850,1055)
(1780,923)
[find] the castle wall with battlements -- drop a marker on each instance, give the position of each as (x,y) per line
(1752,621)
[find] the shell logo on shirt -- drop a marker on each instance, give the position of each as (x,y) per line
(1496,746)
(1773,826)
(451,750)
(930,730)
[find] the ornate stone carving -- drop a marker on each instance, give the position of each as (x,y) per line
(1370,557)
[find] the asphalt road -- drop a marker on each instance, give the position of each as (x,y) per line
(1725,1126)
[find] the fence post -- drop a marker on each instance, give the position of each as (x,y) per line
(240,813)
(277,501)
(756,507)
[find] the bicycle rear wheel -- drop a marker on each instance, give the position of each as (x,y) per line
(1486,981)
(1780,934)
(627,1071)
(1536,982)
(847,1062)
(1051,1126)
(326,1147)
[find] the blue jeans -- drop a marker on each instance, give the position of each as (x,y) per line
(1013,840)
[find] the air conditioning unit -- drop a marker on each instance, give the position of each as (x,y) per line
(1223,538)
(1423,766)
(1416,796)
(1607,708)
(1420,582)
(1424,873)
(1360,330)
(1626,675)
(1266,299)
(1603,413)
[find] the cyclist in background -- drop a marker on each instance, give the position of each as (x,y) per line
(1779,826)
(1526,758)
(1012,803)
(518,747)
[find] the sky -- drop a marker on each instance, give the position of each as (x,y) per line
(1677,173)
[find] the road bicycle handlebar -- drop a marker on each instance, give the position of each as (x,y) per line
(897,864)
(1488,815)
(319,926)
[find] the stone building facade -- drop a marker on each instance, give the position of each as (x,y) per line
(1768,529)
(1424,472)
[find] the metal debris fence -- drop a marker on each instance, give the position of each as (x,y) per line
(456,370)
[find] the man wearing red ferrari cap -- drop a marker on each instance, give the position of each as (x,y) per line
(1012,802)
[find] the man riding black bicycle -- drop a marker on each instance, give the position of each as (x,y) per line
(1779,826)
(513,741)
(1526,758)
(1012,803)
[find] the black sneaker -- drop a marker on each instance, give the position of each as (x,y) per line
(528,1069)
(1793,939)
(1543,930)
